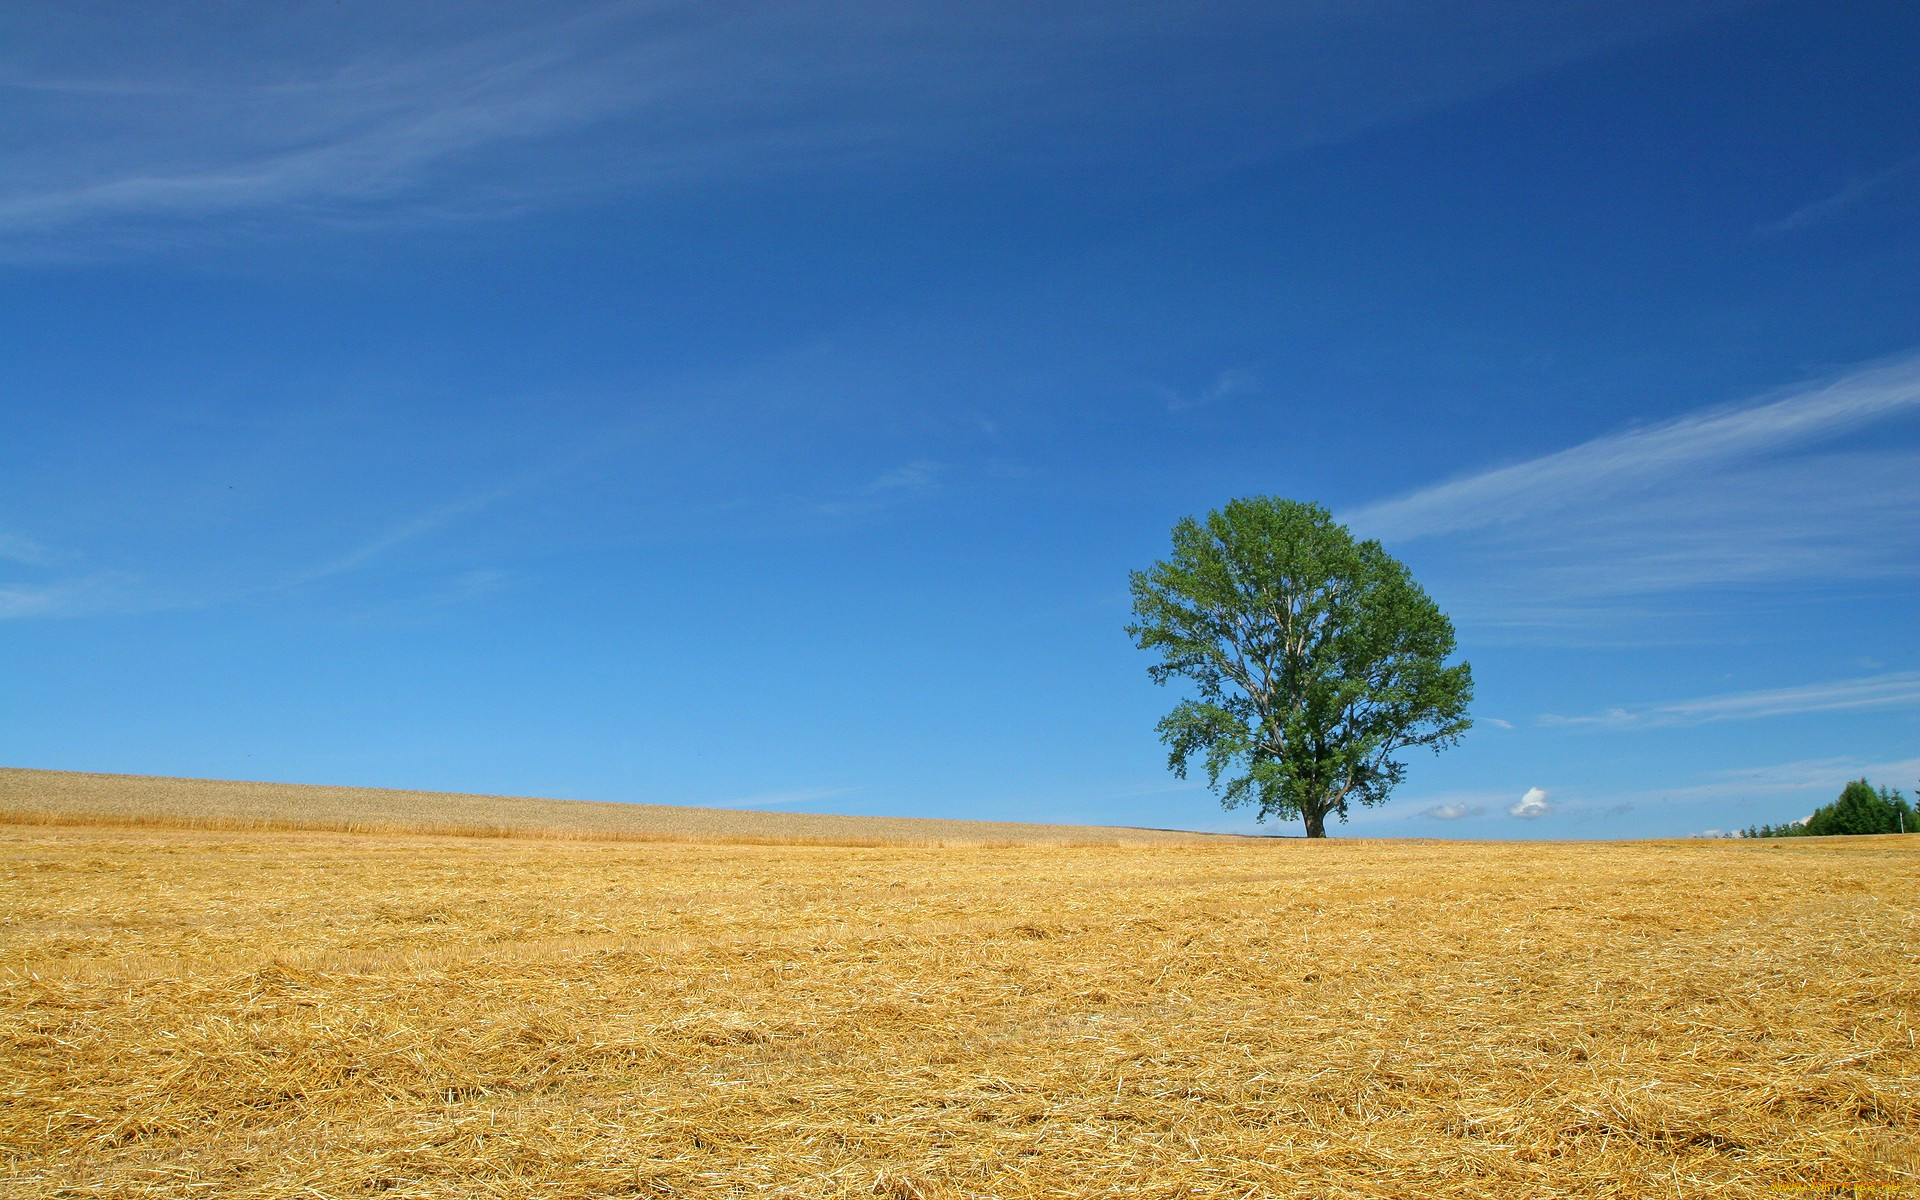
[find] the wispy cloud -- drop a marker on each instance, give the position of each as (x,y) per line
(50,584)
(1225,386)
(412,529)
(1801,775)
(785,798)
(1897,690)
(120,590)
(908,481)
(39,600)
(359,129)
(347,111)
(95,592)
(556,465)
(1619,463)
(1828,206)
(1794,786)
(17,549)
(1452,805)
(1531,806)
(918,476)
(325,137)
(1728,797)
(1613,531)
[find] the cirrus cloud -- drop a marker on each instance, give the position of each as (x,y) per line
(1615,530)
(1900,689)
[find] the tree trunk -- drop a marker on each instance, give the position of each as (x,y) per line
(1316,823)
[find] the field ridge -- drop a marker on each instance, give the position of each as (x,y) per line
(41,797)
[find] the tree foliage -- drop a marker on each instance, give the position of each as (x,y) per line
(1314,659)
(1860,809)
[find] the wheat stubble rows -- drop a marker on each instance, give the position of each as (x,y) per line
(256,1014)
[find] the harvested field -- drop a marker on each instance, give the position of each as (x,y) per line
(29,797)
(280,1014)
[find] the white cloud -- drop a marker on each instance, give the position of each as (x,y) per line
(1496,722)
(1531,806)
(1453,812)
(1897,690)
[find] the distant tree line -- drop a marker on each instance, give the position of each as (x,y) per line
(1860,809)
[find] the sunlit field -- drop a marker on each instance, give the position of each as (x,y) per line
(278,1013)
(62,797)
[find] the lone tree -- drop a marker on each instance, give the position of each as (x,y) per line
(1315,658)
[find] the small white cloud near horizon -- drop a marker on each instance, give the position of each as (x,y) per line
(1531,806)
(1453,812)
(1496,722)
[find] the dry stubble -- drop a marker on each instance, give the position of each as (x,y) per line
(272,1014)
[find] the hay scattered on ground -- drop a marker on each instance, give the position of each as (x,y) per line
(304,1014)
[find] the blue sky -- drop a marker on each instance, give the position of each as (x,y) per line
(763,405)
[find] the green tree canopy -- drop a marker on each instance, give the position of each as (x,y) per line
(1314,659)
(1860,809)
